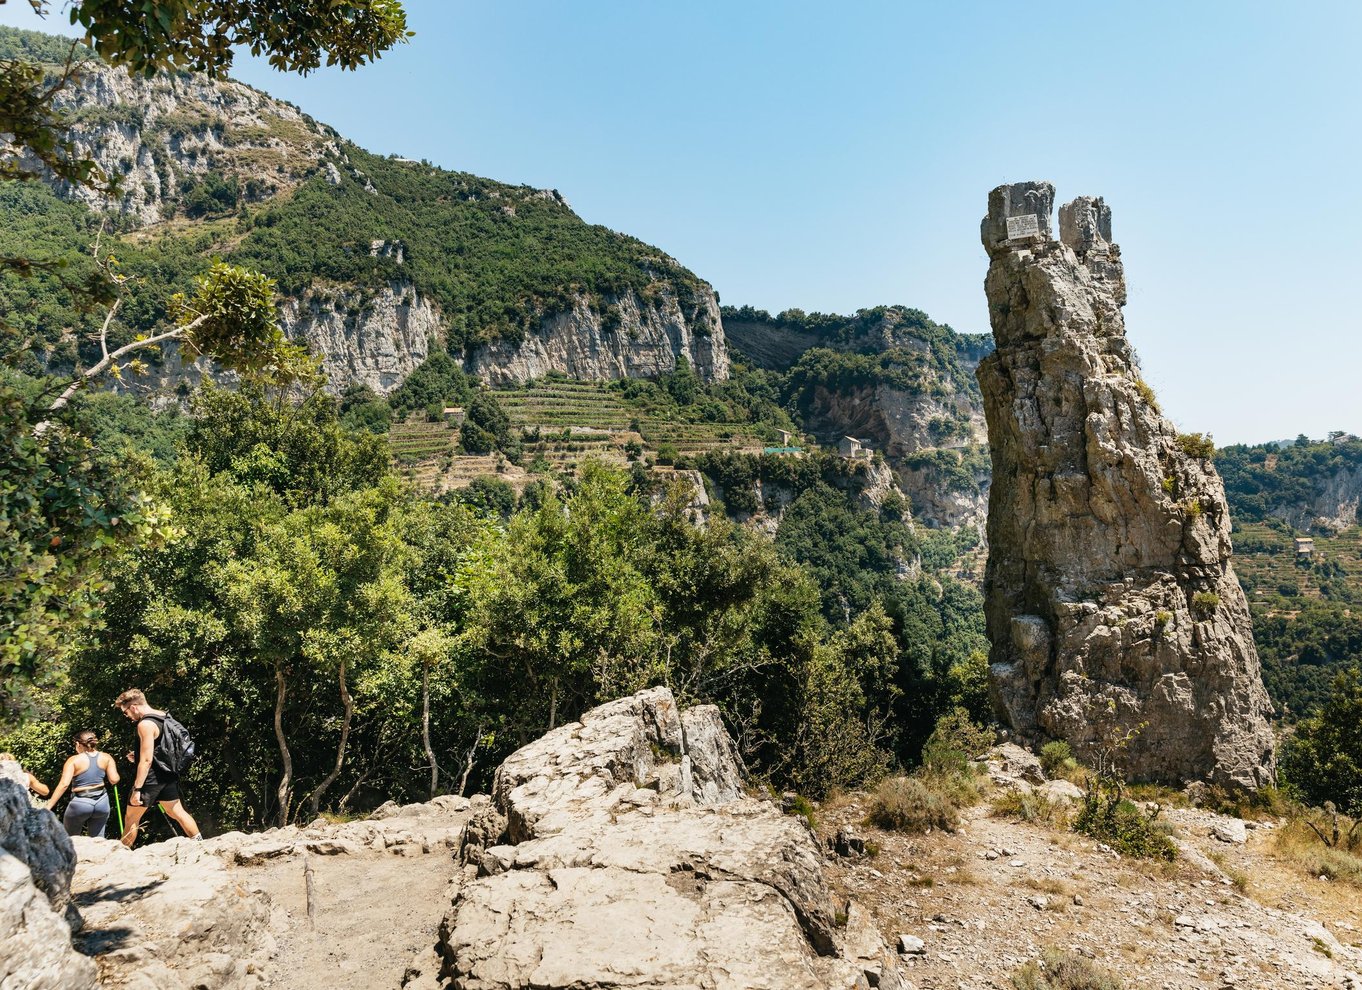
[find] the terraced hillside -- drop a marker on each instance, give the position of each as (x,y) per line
(562,424)
(1307,608)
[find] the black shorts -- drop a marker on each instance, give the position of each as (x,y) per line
(156,791)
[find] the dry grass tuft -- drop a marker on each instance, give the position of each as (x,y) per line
(911,804)
(1059,970)
(1298,844)
(1034,807)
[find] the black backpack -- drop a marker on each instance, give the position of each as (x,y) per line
(174,748)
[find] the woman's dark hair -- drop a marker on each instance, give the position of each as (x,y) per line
(86,737)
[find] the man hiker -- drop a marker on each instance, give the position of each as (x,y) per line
(153,782)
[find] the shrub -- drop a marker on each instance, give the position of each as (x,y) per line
(1059,970)
(1147,393)
(1309,842)
(1055,757)
(1106,815)
(1204,603)
(1032,806)
(667,453)
(954,744)
(910,804)
(1322,761)
(1198,445)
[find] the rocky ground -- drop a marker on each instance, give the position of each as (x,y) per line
(327,906)
(600,862)
(988,898)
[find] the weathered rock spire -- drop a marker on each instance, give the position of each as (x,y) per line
(1111,603)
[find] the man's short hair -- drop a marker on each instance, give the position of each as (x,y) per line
(132,696)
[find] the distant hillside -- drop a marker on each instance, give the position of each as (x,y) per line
(1313,486)
(893,377)
(380,258)
(1306,598)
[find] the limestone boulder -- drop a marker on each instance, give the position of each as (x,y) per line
(631,857)
(173,915)
(35,838)
(1114,616)
(35,940)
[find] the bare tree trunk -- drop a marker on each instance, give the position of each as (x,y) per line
(314,800)
(350,794)
(107,361)
(553,705)
(425,729)
(286,781)
(468,764)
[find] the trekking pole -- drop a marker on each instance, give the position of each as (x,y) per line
(173,830)
(118,808)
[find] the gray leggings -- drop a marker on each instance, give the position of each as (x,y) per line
(87,809)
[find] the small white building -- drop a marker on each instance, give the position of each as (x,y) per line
(853,448)
(1305,546)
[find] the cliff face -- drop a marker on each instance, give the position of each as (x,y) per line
(642,341)
(366,340)
(893,378)
(903,424)
(1111,603)
(161,135)
(366,249)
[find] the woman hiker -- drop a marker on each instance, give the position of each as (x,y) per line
(85,773)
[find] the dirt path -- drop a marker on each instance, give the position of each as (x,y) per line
(990,897)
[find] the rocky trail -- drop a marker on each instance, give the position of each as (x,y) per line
(623,851)
(328,906)
(986,899)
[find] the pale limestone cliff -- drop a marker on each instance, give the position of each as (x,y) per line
(157,133)
(362,338)
(1111,603)
(644,340)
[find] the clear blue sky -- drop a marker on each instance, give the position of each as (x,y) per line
(834,156)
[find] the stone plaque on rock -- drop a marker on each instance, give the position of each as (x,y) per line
(1026,225)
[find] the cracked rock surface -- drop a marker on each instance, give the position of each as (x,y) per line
(1110,601)
(631,857)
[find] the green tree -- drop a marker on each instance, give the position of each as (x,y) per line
(65,513)
(1323,757)
(230,315)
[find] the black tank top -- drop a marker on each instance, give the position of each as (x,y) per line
(155,775)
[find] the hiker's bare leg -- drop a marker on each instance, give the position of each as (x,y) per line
(182,817)
(132,816)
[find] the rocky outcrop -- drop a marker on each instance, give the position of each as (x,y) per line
(1111,604)
(631,337)
(364,338)
(632,858)
(162,134)
(1337,501)
(37,861)
(768,344)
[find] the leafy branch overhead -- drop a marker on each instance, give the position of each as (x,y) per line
(230,318)
(199,35)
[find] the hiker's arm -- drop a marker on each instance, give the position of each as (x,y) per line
(67,772)
(37,786)
(110,767)
(146,742)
